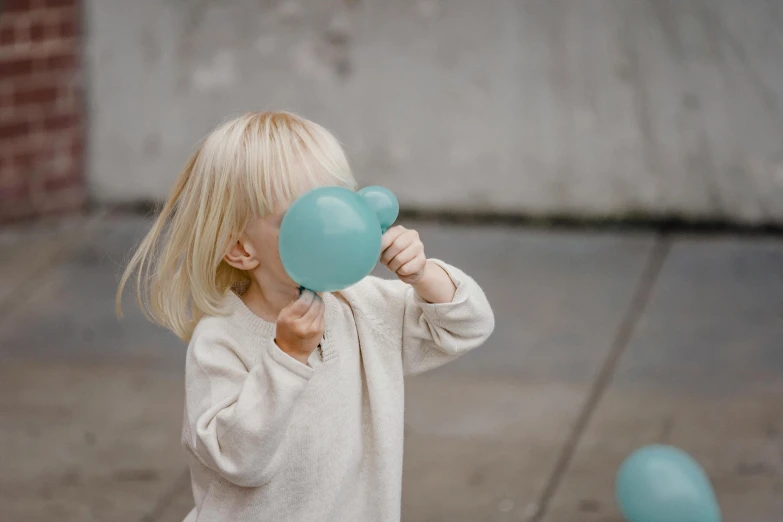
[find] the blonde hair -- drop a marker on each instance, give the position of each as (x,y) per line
(245,169)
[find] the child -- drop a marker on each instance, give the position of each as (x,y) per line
(294,404)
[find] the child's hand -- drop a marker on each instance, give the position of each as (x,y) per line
(403,253)
(300,326)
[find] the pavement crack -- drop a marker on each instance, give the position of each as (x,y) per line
(620,342)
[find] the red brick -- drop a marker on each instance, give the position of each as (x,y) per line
(78,168)
(6,98)
(39,79)
(66,59)
(59,3)
(37,31)
(16,192)
(59,183)
(7,35)
(77,154)
(15,66)
(21,144)
(36,95)
(66,103)
(59,122)
(14,130)
(24,160)
(39,65)
(77,142)
(16,6)
(42,150)
(68,27)
(22,26)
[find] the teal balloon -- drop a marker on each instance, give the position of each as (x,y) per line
(664,484)
(383,202)
(330,238)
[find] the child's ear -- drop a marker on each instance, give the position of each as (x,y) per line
(238,257)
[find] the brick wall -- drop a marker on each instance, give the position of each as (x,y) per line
(41,109)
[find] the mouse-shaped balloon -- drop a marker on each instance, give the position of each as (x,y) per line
(330,237)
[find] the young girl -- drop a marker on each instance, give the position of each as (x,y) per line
(294,404)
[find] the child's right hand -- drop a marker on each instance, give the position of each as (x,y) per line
(300,326)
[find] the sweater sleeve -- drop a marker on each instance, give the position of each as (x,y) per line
(237,416)
(432,334)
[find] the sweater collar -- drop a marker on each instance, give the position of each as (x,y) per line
(245,316)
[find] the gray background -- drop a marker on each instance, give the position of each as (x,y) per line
(585,108)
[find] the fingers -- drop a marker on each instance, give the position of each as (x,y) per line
(313,316)
(400,243)
(405,256)
(299,307)
(414,266)
(300,326)
(391,236)
(304,325)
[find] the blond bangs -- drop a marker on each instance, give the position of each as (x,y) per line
(246,169)
(288,144)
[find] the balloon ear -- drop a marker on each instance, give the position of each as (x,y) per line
(384,203)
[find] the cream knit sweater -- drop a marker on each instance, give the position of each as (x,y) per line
(272,439)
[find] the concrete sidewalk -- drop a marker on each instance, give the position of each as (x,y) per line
(604,342)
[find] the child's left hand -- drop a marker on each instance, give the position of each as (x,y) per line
(403,253)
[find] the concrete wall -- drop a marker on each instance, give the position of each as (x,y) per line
(577,107)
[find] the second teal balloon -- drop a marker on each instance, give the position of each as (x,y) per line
(664,484)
